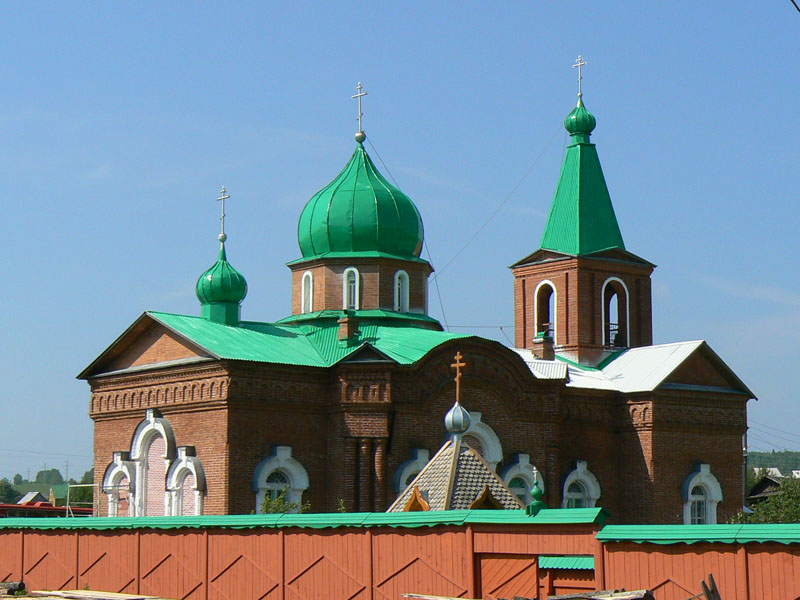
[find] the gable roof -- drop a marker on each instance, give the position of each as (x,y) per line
(454,479)
(646,368)
(312,343)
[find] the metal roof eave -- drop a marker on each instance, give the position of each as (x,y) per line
(88,371)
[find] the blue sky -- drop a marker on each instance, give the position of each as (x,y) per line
(119,124)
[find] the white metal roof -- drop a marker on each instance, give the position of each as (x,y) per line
(543,369)
(635,370)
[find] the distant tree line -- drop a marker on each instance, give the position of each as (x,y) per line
(10,495)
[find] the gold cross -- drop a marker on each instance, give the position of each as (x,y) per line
(457,366)
(578,64)
(359,95)
(223,196)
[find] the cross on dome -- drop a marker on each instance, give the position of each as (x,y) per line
(223,196)
(360,135)
(579,64)
(457,366)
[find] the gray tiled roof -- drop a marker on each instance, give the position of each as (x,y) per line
(454,478)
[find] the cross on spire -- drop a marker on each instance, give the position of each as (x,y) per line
(578,65)
(222,197)
(457,366)
(359,94)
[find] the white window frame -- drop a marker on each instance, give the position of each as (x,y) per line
(307,287)
(523,469)
(607,342)
(421,456)
(186,464)
(492,448)
(702,477)
(553,317)
(401,296)
(280,460)
(120,469)
(152,426)
(582,475)
(346,305)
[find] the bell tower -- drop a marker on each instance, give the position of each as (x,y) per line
(582,290)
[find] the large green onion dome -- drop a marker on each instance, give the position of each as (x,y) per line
(360,213)
(221,283)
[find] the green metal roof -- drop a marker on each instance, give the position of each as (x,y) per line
(691,534)
(318,521)
(567,562)
(582,219)
(360,211)
(306,343)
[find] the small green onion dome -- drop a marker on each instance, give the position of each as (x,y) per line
(580,120)
(221,283)
(360,212)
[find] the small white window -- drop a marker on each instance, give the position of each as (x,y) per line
(697,505)
(401,292)
(307,292)
(520,476)
(701,494)
(577,496)
(279,472)
(351,289)
(581,488)
(277,482)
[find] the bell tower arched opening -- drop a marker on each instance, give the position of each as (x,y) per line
(616,330)
(545,309)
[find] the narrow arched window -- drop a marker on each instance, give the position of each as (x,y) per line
(545,309)
(697,506)
(576,496)
(351,289)
(277,483)
(401,292)
(520,488)
(307,292)
(615,313)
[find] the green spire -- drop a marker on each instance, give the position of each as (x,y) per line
(582,219)
(221,290)
(360,212)
(537,503)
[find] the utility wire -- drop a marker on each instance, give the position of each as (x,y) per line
(774,435)
(795,5)
(425,242)
(499,206)
(775,428)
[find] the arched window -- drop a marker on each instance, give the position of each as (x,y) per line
(409,469)
(701,494)
(576,496)
(186,484)
(482,438)
(277,482)
(117,485)
(520,476)
(581,488)
(351,289)
(152,451)
(697,505)
(401,292)
(279,472)
(545,309)
(307,293)
(615,312)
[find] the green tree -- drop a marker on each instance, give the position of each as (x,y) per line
(49,476)
(782,507)
(83,496)
(280,504)
(8,495)
(18,479)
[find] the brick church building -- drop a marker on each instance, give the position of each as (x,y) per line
(342,402)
